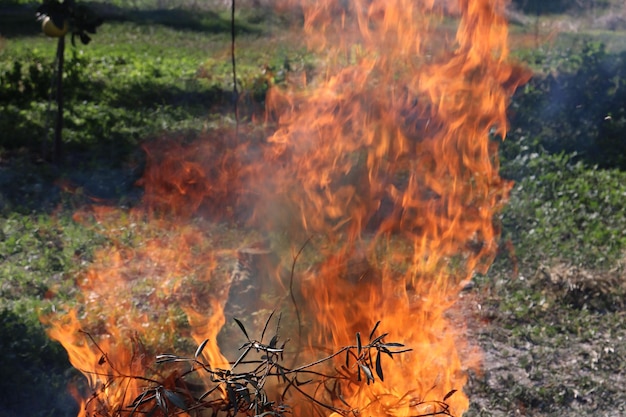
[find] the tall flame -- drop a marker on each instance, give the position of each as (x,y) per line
(390,155)
(396,140)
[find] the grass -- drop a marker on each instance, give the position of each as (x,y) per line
(553,300)
(552,307)
(137,78)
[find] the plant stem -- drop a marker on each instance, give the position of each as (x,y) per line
(58,128)
(234,65)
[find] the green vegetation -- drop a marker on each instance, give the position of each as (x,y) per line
(151,71)
(135,81)
(556,294)
(566,153)
(593,233)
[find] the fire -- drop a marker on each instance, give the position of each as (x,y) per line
(388,158)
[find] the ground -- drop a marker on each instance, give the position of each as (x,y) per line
(552,335)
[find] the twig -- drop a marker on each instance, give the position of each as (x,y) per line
(58,128)
(291,294)
(234,65)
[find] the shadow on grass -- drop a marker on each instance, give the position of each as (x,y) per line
(149,95)
(181,19)
(19,20)
(35,371)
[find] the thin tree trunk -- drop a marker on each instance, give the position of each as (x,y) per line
(58,128)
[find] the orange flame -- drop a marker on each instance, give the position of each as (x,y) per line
(390,157)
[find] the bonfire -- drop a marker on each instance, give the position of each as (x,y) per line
(360,214)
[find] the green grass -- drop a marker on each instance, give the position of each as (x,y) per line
(39,256)
(140,76)
(593,231)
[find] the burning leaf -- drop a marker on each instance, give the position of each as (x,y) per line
(273,342)
(200,348)
(161,402)
(248,347)
(169,358)
(305,382)
(281,371)
(449,394)
(242,390)
(368,373)
(379,367)
(209,392)
(142,399)
(175,399)
(243,329)
(339,394)
(378,339)
(374,331)
(389,157)
(267,322)
(232,397)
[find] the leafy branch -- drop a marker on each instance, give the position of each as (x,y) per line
(258,383)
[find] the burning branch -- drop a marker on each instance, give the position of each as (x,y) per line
(257,382)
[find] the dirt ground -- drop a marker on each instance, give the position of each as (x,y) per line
(561,360)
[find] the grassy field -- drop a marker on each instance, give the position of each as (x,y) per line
(549,315)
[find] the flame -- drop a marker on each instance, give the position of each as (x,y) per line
(134,303)
(388,157)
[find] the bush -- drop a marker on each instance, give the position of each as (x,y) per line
(559,6)
(566,210)
(579,106)
(113,101)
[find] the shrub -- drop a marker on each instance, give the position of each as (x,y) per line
(566,210)
(578,104)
